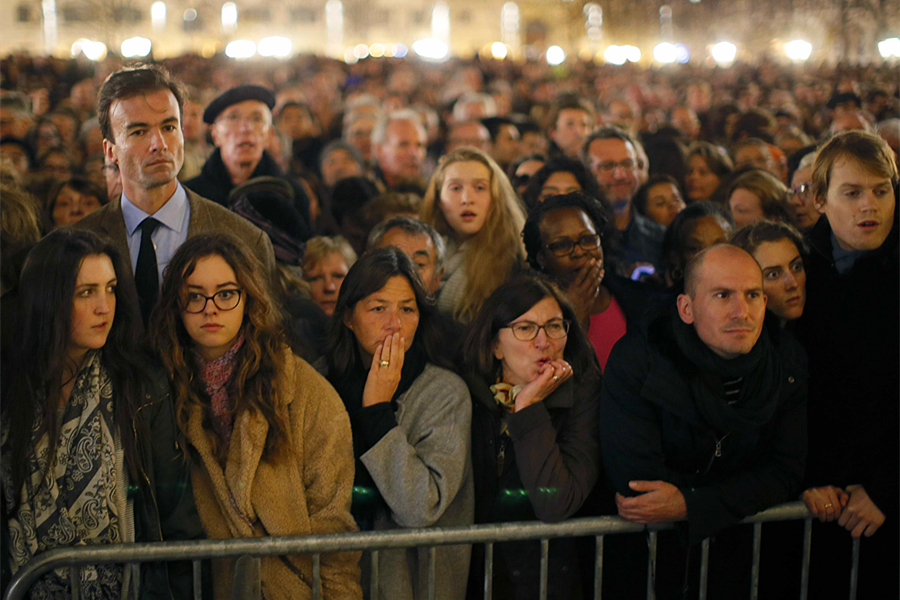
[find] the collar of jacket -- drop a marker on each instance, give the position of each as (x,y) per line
(562,397)
(214,170)
(819,240)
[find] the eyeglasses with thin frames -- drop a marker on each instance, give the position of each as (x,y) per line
(567,247)
(525,331)
(224,300)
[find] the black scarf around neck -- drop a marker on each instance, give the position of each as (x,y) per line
(761,372)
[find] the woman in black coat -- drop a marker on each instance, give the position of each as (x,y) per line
(535,387)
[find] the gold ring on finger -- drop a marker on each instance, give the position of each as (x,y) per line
(384,364)
(829,505)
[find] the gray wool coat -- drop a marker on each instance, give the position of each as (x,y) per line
(423,471)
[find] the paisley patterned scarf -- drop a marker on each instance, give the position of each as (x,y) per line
(74,497)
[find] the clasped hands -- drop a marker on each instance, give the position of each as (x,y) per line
(660,502)
(851,507)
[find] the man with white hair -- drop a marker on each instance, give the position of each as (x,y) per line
(470,107)
(399,142)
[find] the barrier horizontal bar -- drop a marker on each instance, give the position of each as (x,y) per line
(344,542)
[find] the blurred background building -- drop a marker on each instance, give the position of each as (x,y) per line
(353,29)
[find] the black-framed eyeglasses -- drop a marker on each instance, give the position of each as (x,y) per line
(525,331)
(609,166)
(566,247)
(223,300)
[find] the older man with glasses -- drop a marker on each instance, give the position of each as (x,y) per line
(241,119)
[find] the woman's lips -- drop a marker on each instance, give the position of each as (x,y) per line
(212,327)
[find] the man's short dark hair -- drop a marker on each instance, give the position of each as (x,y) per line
(131,82)
(412,227)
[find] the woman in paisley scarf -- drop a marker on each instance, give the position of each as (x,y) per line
(535,386)
(268,437)
(81,404)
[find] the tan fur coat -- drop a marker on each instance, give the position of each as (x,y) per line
(308,493)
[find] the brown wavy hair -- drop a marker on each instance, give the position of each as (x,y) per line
(259,359)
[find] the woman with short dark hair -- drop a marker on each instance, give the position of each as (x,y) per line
(535,387)
(410,415)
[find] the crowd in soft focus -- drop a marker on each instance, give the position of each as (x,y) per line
(304,297)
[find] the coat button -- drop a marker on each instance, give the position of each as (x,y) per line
(790,379)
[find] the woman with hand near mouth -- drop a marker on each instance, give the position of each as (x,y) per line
(779,249)
(90,452)
(268,437)
(471,202)
(411,418)
(563,239)
(535,387)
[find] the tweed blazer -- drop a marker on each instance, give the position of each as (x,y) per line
(206,217)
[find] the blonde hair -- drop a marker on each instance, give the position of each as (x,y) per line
(497,248)
(321,247)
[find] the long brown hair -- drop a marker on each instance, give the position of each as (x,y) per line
(258,361)
(496,249)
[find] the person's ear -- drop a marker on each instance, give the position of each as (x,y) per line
(819,203)
(685,309)
(213,132)
(495,348)
(109,150)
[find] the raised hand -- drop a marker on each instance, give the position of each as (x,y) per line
(549,378)
(384,373)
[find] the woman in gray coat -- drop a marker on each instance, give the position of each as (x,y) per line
(411,419)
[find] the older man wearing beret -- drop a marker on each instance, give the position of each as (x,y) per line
(240,120)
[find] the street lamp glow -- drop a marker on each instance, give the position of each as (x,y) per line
(400,50)
(431,49)
(798,49)
(555,55)
(376,50)
(889,47)
(277,46)
(136,47)
(350,57)
(499,50)
(682,54)
(615,55)
(229,16)
(361,51)
(240,49)
(724,52)
(632,53)
(158,15)
(665,53)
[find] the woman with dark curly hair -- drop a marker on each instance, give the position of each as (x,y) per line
(559,176)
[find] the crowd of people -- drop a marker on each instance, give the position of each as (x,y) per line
(306,297)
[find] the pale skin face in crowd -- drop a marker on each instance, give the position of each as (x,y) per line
(801,198)
(71,206)
(614,165)
(859,205)
(402,153)
(241,133)
(325,279)
(213,330)
(339,164)
(746,207)
(700,182)
(561,182)
(470,134)
(359,135)
(465,197)
(529,168)
(572,127)
(533,364)
(664,202)
(756,156)
(93,307)
(505,148)
(148,147)
(384,324)
(419,248)
(784,277)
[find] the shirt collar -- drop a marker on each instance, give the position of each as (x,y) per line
(171,214)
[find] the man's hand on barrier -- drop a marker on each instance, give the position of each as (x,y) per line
(861,516)
(661,502)
(827,503)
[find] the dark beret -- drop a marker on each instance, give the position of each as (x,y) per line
(237,94)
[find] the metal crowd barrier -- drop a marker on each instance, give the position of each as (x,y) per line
(374,541)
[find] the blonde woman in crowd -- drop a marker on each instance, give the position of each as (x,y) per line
(325,264)
(470,201)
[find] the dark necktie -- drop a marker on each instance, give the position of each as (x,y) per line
(146,274)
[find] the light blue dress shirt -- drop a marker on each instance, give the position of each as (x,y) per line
(169,235)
